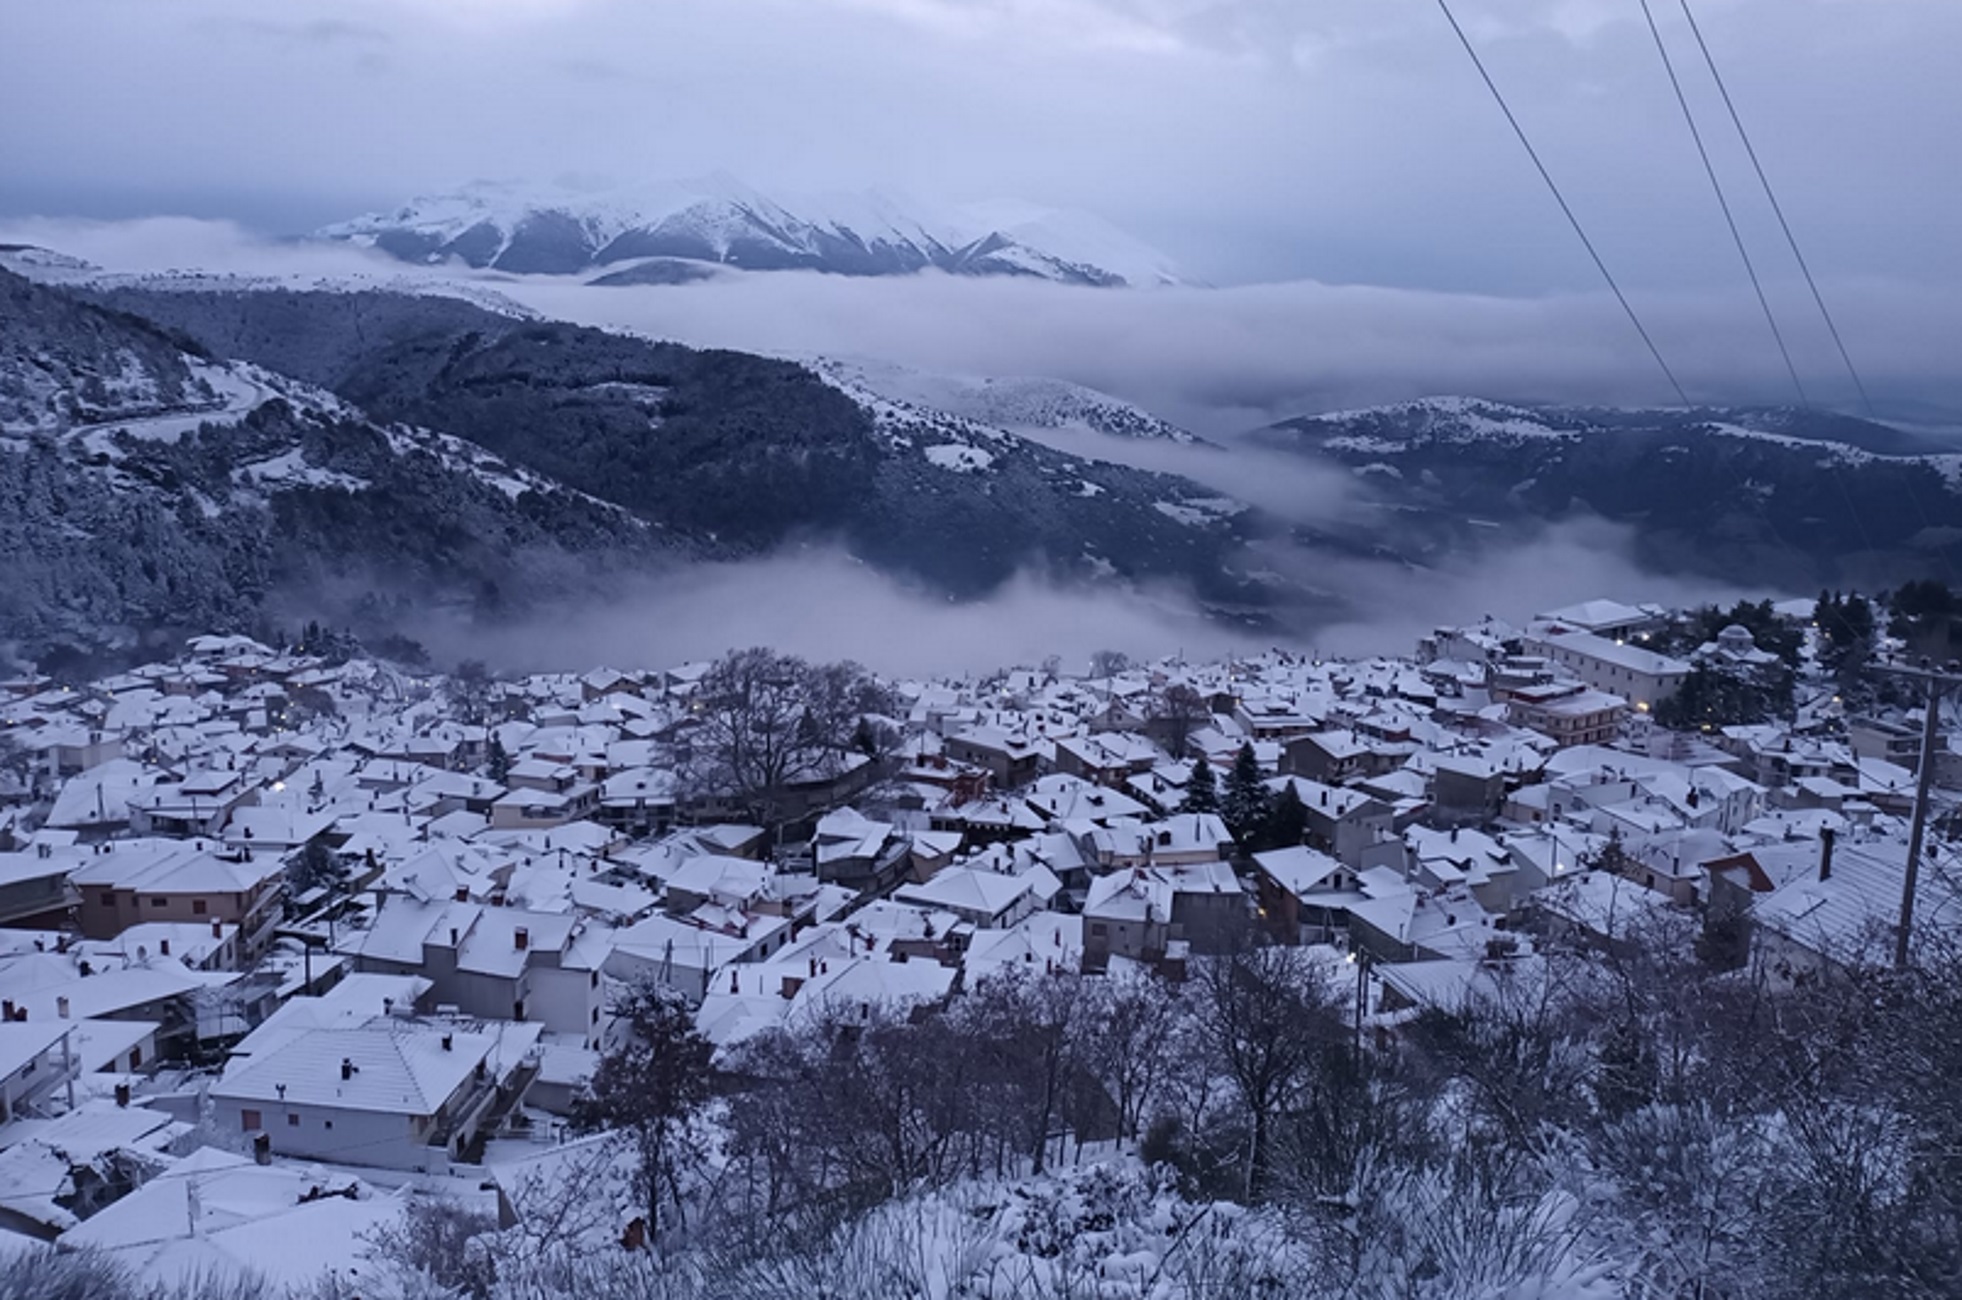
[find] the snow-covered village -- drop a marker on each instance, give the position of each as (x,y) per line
(1514,964)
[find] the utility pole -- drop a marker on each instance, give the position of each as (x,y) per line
(1938,684)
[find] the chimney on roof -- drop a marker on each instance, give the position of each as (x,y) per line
(163,947)
(347,1069)
(449,1042)
(61,1008)
(217,929)
(1826,837)
(261,1151)
(122,1095)
(521,938)
(7,1010)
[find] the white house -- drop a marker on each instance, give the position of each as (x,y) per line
(1641,676)
(394,1092)
(500,963)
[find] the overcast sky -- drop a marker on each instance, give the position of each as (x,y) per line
(1347,141)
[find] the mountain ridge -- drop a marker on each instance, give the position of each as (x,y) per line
(717,221)
(1761,496)
(319,442)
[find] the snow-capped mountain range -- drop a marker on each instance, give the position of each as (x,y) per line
(664,232)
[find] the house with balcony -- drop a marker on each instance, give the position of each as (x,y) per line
(395,1092)
(129,882)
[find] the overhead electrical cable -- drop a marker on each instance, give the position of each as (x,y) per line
(1777,208)
(1723,202)
(1805,269)
(1561,199)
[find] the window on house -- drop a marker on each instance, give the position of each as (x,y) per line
(249,1120)
(135,1057)
(159,902)
(197,907)
(327,1123)
(292,1120)
(1097,930)
(518,1009)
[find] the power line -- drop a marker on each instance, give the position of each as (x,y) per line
(1790,239)
(1561,199)
(1750,269)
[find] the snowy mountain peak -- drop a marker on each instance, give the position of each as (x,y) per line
(717,220)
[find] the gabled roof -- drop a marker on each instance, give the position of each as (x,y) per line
(399,1066)
(964,889)
(215,1213)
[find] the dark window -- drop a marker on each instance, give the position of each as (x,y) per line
(135,1057)
(248,1120)
(292,1120)
(197,907)
(159,902)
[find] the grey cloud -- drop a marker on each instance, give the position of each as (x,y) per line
(1218,360)
(1347,140)
(1227,358)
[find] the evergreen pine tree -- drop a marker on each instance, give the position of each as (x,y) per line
(498,760)
(1287,820)
(1201,789)
(1245,802)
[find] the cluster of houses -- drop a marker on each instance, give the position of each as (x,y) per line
(306,935)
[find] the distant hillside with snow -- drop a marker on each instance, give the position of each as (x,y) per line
(1803,497)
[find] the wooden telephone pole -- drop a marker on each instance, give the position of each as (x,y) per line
(1938,684)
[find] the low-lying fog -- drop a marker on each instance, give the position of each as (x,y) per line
(822,604)
(1219,361)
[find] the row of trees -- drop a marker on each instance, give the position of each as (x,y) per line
(1630,1124)
(855,1105)
(1689,1131)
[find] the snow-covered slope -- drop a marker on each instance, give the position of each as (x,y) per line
(1013,402)
(148,485)
(1401,426)
(1756,496)
(720,221)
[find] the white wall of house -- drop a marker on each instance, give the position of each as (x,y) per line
(565,1001)
(353,1137)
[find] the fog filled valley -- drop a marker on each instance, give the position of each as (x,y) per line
(980,650)
(937,497)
